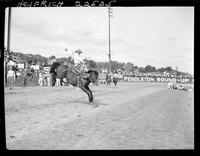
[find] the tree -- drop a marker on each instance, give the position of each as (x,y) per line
(114,65)
(29,61)
(34,60)
(161,70)
(141,70)
(129,67)
(150,68)
(90,63)
(52,57)
(168,69)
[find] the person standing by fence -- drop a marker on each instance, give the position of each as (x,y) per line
(58,82)
(53,72)
(48,79)
(11,77)
(40,80)
(24,77)
(44,79)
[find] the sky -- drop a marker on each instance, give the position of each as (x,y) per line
(157,36)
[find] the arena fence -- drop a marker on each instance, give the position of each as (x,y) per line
(126,78)
(29,82)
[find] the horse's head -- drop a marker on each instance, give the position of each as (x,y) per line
(93,75)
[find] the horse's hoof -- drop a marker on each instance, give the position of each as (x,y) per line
(95,105)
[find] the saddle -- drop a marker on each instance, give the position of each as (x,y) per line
(77,71)
(79,74)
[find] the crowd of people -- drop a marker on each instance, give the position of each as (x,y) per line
(44,78)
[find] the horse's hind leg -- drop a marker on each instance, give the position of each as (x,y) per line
(91,96)
(88,92)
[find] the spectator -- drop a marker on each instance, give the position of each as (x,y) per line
(24,77)
(11,63)
(64,82)
(57,82)
(169,85)
(53,72)
(37,73)
(115,75)
(44,79)
(49,79)
(40,79)
(11,77)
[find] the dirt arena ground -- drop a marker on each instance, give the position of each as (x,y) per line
(129,116)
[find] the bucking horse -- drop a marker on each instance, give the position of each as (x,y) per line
(76,79)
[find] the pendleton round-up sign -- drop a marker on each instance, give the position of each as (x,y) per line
(156,79)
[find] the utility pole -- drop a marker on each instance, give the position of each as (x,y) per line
(109,15)
(8,43)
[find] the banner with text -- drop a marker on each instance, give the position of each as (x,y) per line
(130,78)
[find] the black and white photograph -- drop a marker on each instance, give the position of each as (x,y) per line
(97,76)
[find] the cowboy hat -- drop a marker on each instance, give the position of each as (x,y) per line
(78,51)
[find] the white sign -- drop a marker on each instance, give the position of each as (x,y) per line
(35,67)
(157,79)
(21,65)
(47,68)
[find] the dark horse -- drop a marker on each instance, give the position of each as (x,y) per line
(53,71)
(81,80)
